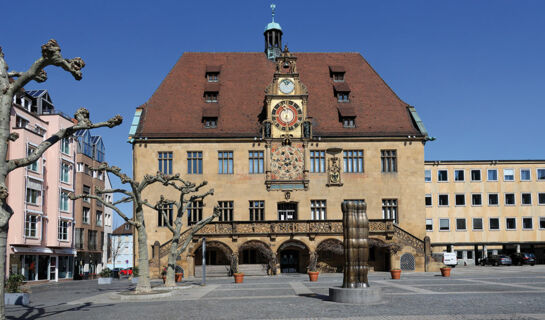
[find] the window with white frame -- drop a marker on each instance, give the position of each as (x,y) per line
(33,196)
(31,222)
(540,174)
(476,175)
(493,199)
(527,223)
(541,198)
(65,201)
(99,218)
(526,199)
(429,224)
(317,160)
(443,200)
(510,223)
(65,172)
(460,199)
(389,210)
(459,175)
(428,200)
(494,223)
(442,175)
(427,175)
(508,175)
(79,167)
(63,230)
(86,190)
(492,174)
(444,224)
(34,166)
(525,175)
(318,209)
(461,224)
(65,145)
(477,224)
(509,199)
(476,199)
(86,215)
(541,222)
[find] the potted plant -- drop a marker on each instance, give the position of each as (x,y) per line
(312,268)
(179,273)
(445,271)
(239,276)
(134,279)
(105,276)
(395,273)
(14,293)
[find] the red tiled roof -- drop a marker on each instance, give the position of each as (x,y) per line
(176,107)
(341,87)
(213,69)
(336,69)
(211,110)
(347,110)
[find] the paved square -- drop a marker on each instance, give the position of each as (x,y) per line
(470,293)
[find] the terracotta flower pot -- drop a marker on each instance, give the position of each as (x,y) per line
(313,276)
(395,273)
(178,277)
(239,277)
(445,272)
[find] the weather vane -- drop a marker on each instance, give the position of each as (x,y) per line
(273,7)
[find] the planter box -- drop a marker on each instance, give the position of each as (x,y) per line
(134,280)
(17,298)
(104,280)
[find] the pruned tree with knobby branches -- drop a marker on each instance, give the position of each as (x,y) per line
(188,193)
(133,195)
(12,82)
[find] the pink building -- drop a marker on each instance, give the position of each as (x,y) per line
(40,238)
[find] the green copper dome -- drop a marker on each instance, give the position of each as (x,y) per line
(273,25)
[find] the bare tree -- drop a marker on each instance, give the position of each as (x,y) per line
(133,195)
(11,82)
(116,248)
(188,194)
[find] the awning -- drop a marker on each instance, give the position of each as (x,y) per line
(212,69)
(66,251)
(212,87)
(346,110)
(341,87)
(20,249)
(336,69)
(211,111)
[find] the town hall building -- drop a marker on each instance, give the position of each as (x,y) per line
(284,138)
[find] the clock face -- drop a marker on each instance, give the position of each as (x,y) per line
(286,86)
(287,115)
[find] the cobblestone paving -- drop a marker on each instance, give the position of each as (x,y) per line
(496,293)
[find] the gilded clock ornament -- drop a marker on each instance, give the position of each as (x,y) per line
(287,163)
(287,115)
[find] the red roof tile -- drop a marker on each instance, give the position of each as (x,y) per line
(347,110)
(341,87)
(175,109)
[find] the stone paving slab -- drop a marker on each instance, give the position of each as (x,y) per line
(249,293)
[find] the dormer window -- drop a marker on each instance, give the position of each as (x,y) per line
(211,97)
(212,76)
(337,73)
(210,122)
(342,97)
(349,122)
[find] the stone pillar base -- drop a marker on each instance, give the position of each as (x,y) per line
(363,296)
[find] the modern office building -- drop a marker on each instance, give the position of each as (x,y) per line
(484,207)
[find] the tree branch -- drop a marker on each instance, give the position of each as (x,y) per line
(82,115)
(196,228)
(51,55)
(106,204)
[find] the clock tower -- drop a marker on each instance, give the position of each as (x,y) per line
(286,128)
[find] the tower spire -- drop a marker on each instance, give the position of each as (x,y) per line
(273,37)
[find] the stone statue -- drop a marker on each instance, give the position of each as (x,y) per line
(306,129)
(267,129)
(356,244)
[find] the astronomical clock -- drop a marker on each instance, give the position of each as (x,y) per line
(286,128)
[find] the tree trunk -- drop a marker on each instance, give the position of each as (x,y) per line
(3,240)
(171,264)
(143,263)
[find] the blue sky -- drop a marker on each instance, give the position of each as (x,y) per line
(474,70)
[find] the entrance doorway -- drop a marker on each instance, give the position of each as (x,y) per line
(287,211)
(289,261)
